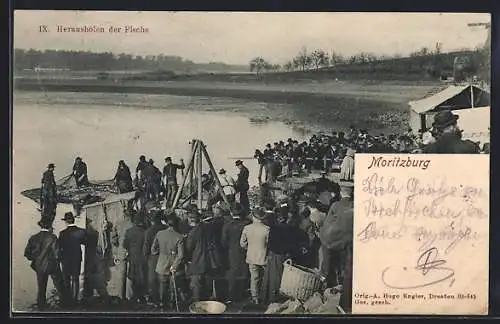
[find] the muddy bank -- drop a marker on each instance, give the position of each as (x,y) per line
(308,107)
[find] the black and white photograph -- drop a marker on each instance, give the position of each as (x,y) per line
(204,162)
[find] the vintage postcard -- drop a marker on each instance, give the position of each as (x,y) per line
(250,162)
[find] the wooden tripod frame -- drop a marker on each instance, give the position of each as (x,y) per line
(194,172)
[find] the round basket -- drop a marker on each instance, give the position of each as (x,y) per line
(207,307)
(300,282)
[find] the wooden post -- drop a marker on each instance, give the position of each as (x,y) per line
(216,177)
(191,178)
(200,173)
(184,178)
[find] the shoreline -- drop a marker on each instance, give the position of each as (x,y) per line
(308,106)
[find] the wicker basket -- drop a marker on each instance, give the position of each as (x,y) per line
(300,282)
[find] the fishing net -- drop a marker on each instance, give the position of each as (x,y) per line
(69,193)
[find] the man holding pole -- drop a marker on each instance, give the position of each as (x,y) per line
(170,178)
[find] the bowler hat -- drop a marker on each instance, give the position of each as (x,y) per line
(259,213)
(238,162)
(51,166)
(325,198)
(443,119)
(78,158)
(68,217)
(168,158)
(222,171)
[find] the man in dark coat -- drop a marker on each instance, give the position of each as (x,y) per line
(449,136)
(236,267)
(123,178)
(242,185)
(336,234)
(96,267)
(133,243)
(149,236)
(42,250)
(71,239)
(80,173)
(204,257)
(139,170)
(48,195)
(170,178)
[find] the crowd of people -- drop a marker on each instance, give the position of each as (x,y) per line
(232,251)
(336,150)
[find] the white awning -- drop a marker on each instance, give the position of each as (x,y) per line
(429,103)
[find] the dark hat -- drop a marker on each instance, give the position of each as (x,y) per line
(78,158)
(168,158)
(259,213)
(44,224)
(444,119)
(238,162)
(121,162)
(51,166)
(68,217)
(142,157)
(237,210)
(222,171)
(325,198)
(268,145)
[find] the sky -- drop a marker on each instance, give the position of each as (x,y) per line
(237,37)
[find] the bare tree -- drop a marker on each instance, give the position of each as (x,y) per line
(257,64)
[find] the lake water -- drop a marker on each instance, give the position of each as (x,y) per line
(106,128)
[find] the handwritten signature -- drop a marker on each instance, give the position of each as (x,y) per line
(427,266)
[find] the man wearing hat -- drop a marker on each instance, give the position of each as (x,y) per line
(80,173)
(449,136)
(204,258)
(152,260)
(123,178)
(237,269)
(168,246)
(42,251)
(242,186)
(336,236)
(133,243)
(170,178)
(254,239)
(228,185)
(48,194)
(71,240)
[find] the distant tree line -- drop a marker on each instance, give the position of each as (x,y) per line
(106,61)
(425,60)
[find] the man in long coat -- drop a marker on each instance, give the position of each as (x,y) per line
(48,195)
(236,267)
(42,250)
(242,186)
(149,237)
(204,257)
(336,236)
(71,240)
(168,245)
(133,243)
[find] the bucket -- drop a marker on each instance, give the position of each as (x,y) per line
(207,307)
